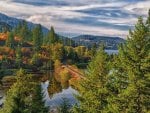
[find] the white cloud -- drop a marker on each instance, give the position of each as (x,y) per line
(55,15)
(140,7)
(120,21)
(90,6)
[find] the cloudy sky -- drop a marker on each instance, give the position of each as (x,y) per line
(98,17)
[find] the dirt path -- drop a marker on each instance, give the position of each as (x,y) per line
(74,72)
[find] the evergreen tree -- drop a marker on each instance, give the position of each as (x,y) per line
(10,42)
(3,67)
(38,104)
(51,37)
(93,49)
(4,27)
(118,81)
(65,106)
(24,96)
(18,56)
(25,33)
(18,97)
(37,38)
(36,60)
(148,18)
(93,91)
(17,29)
(135,61)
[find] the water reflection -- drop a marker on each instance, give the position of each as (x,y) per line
(55,91)
(54,100)
(54,87)
(55,84)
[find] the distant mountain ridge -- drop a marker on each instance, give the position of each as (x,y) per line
(13,22)
(85,40)
(89,40)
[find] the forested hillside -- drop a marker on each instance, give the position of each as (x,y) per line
(90,40)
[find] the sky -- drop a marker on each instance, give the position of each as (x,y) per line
(74,17)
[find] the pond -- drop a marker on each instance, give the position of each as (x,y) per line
(54,92)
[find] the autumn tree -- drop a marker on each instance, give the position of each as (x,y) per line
(56,51)
(64,78)
(80,50)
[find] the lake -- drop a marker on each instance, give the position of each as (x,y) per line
(111,51)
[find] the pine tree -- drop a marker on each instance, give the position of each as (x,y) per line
(51,37)
(93,49)
(25,96)
(38,103)
(18,97)
(10,42)
(148,18)
(25,33)
(37,38)
(18,57)
(118,81)
(3,67)
(65,106)
(17,29)
(36,61)
(135,60)
(93,91)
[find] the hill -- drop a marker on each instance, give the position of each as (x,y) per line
(10,23)
(89,40)
(7,23)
